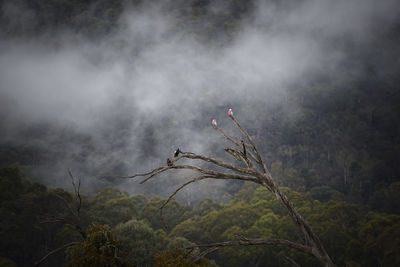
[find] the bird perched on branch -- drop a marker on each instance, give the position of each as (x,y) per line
(236,154)
(169,162)
(244,148)
(177,152)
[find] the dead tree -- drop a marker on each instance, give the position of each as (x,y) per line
(249,166)
(74,209)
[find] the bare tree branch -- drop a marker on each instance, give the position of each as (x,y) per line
(257,242)
(237,143)
(67,204)
(218,174)
(177,190)
(76,214)
(53,220)
(143,174)
(239,156)
(253,145)
(204,253)
(291,261)
(77,192)
(157,173)
(184,185)
(216,162)
(54,251)
(227,136)
(249,242)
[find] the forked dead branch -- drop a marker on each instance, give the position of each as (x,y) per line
(74,207)
(248,166)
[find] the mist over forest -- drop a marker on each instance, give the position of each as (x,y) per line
(112,88)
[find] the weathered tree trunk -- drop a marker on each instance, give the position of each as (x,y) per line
(318,249)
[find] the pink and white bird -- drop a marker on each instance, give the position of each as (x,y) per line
(214,123)
(230,112)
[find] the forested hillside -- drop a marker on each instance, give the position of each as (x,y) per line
(351,233)
(111,88)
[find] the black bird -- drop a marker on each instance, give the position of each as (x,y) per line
(169,162)
(177,152)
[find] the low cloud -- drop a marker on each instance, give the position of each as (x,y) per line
(149,82)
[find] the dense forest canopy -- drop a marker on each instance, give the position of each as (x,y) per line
(110,88)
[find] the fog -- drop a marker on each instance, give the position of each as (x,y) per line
(148,88)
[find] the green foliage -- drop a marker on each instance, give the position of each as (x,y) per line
(111,206)
(11,184)
(246,192)
(343,228)
(349,233)
(107,194)
(23,207)
(177,258)
(139,242)
(252,219)
(205,206)
(387,199)
(324,193)
(336,223)
(99,249)
(380,240)
(173,213)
